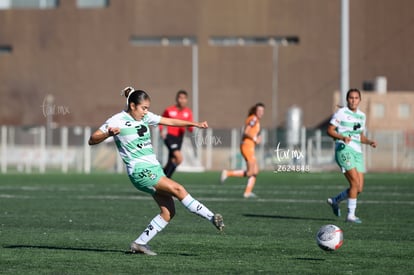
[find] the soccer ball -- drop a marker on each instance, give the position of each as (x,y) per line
(330,237)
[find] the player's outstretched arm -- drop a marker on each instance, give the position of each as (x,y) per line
(365,140)
(98,136)
(182,123)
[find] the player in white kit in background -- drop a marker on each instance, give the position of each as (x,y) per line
(347,127)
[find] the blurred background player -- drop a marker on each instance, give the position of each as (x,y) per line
(347,128)
(173,136)
(251,137)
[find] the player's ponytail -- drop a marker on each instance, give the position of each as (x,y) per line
(134,96)
(126,91)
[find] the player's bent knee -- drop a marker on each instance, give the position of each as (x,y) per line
(251,174)
(167,215)
(179,191)
(178,157)
(171,214)
(167,211)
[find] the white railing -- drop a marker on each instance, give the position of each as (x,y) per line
(28,150)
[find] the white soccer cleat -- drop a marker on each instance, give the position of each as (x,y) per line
(249,195)
(223,176)
(353,219)
(142,248)
(218,221)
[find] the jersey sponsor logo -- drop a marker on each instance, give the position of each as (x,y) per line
(141,130)
(145,144)
(357,125)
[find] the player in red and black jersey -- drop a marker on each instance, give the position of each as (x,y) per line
(173,137)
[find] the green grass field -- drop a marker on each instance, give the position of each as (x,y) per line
(83,224)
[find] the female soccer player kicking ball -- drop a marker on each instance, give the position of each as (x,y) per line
(130,130)
(347,128)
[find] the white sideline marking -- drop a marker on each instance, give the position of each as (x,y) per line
(113,197)
(278,188)
(6,196)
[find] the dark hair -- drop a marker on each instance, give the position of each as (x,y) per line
(253,109)
(135,96)
(180,92)
(353,90)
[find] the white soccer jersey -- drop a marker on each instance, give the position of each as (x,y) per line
(350,124)
(134,140)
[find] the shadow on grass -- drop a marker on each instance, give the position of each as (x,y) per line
(310,259)
(181,254)
(285,217)
(63,248)
(84,249)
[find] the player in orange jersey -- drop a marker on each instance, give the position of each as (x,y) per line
(251,137)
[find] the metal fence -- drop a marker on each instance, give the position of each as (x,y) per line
(65,149)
